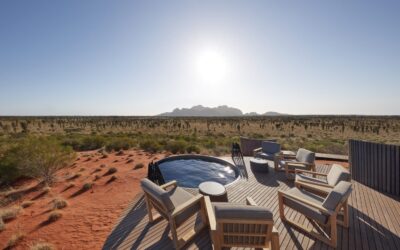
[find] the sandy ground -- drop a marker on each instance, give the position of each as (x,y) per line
(89,217)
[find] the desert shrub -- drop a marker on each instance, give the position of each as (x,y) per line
(26,204)
(59,203)
(9,171)
(150,146)
(111,170)
(54,216)
(176,146)
(193,149)
(87,186)
(119,143)
(89,142)
(10,213)
(42,246)
(139,165)
(40,158)
(14,240)
(210,144)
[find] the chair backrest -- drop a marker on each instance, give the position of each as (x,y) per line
(304,155)
(243,225)
(338,195)
(336,174)
(271,147)
(159,197)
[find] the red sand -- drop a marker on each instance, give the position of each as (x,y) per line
(89,217)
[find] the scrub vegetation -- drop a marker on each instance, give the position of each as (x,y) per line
(36,147)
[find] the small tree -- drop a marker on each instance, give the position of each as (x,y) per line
(41,158)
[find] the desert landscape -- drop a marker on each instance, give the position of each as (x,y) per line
(111,154)
(199,125)
(214,135)
(79,210)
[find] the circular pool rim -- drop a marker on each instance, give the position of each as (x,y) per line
(204,158)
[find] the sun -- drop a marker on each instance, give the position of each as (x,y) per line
(211,66)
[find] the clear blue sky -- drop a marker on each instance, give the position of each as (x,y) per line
(142,57)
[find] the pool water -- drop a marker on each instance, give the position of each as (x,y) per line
(191,172)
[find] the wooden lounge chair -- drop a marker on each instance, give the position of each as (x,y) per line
(239,225)
(304,160)
(175,205)
(324,211)
(323,185)
(269,151)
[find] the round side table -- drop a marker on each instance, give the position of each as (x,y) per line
(214,190)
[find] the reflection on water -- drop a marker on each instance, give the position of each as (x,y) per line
(190,173)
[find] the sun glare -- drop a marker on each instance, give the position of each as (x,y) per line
(211,66)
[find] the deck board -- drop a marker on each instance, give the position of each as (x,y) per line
(374,218)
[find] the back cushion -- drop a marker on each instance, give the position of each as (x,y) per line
(338,194)
(336,174)
(240,211)
(270,147)
(157,193)
(304,155)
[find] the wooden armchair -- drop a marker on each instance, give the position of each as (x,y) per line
(322,185)
(304,160)
(175,205)
(238,225)
(324,211)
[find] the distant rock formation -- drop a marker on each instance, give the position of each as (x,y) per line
(223,110)
(199,110)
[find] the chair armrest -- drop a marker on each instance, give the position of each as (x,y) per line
(298,171)
(187,204)
(168,184)
(301,162)
(250,201)
(316,187)
(256,150)
(210,214)
(307,202)
(294,164)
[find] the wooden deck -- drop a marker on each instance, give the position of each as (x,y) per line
(374,218)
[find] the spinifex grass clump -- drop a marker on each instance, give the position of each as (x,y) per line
(110,171)
(54,216)
(11,213)
(59,203)
(87,186)
(14,240)
(138,166)
(26,204)
(42,246)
